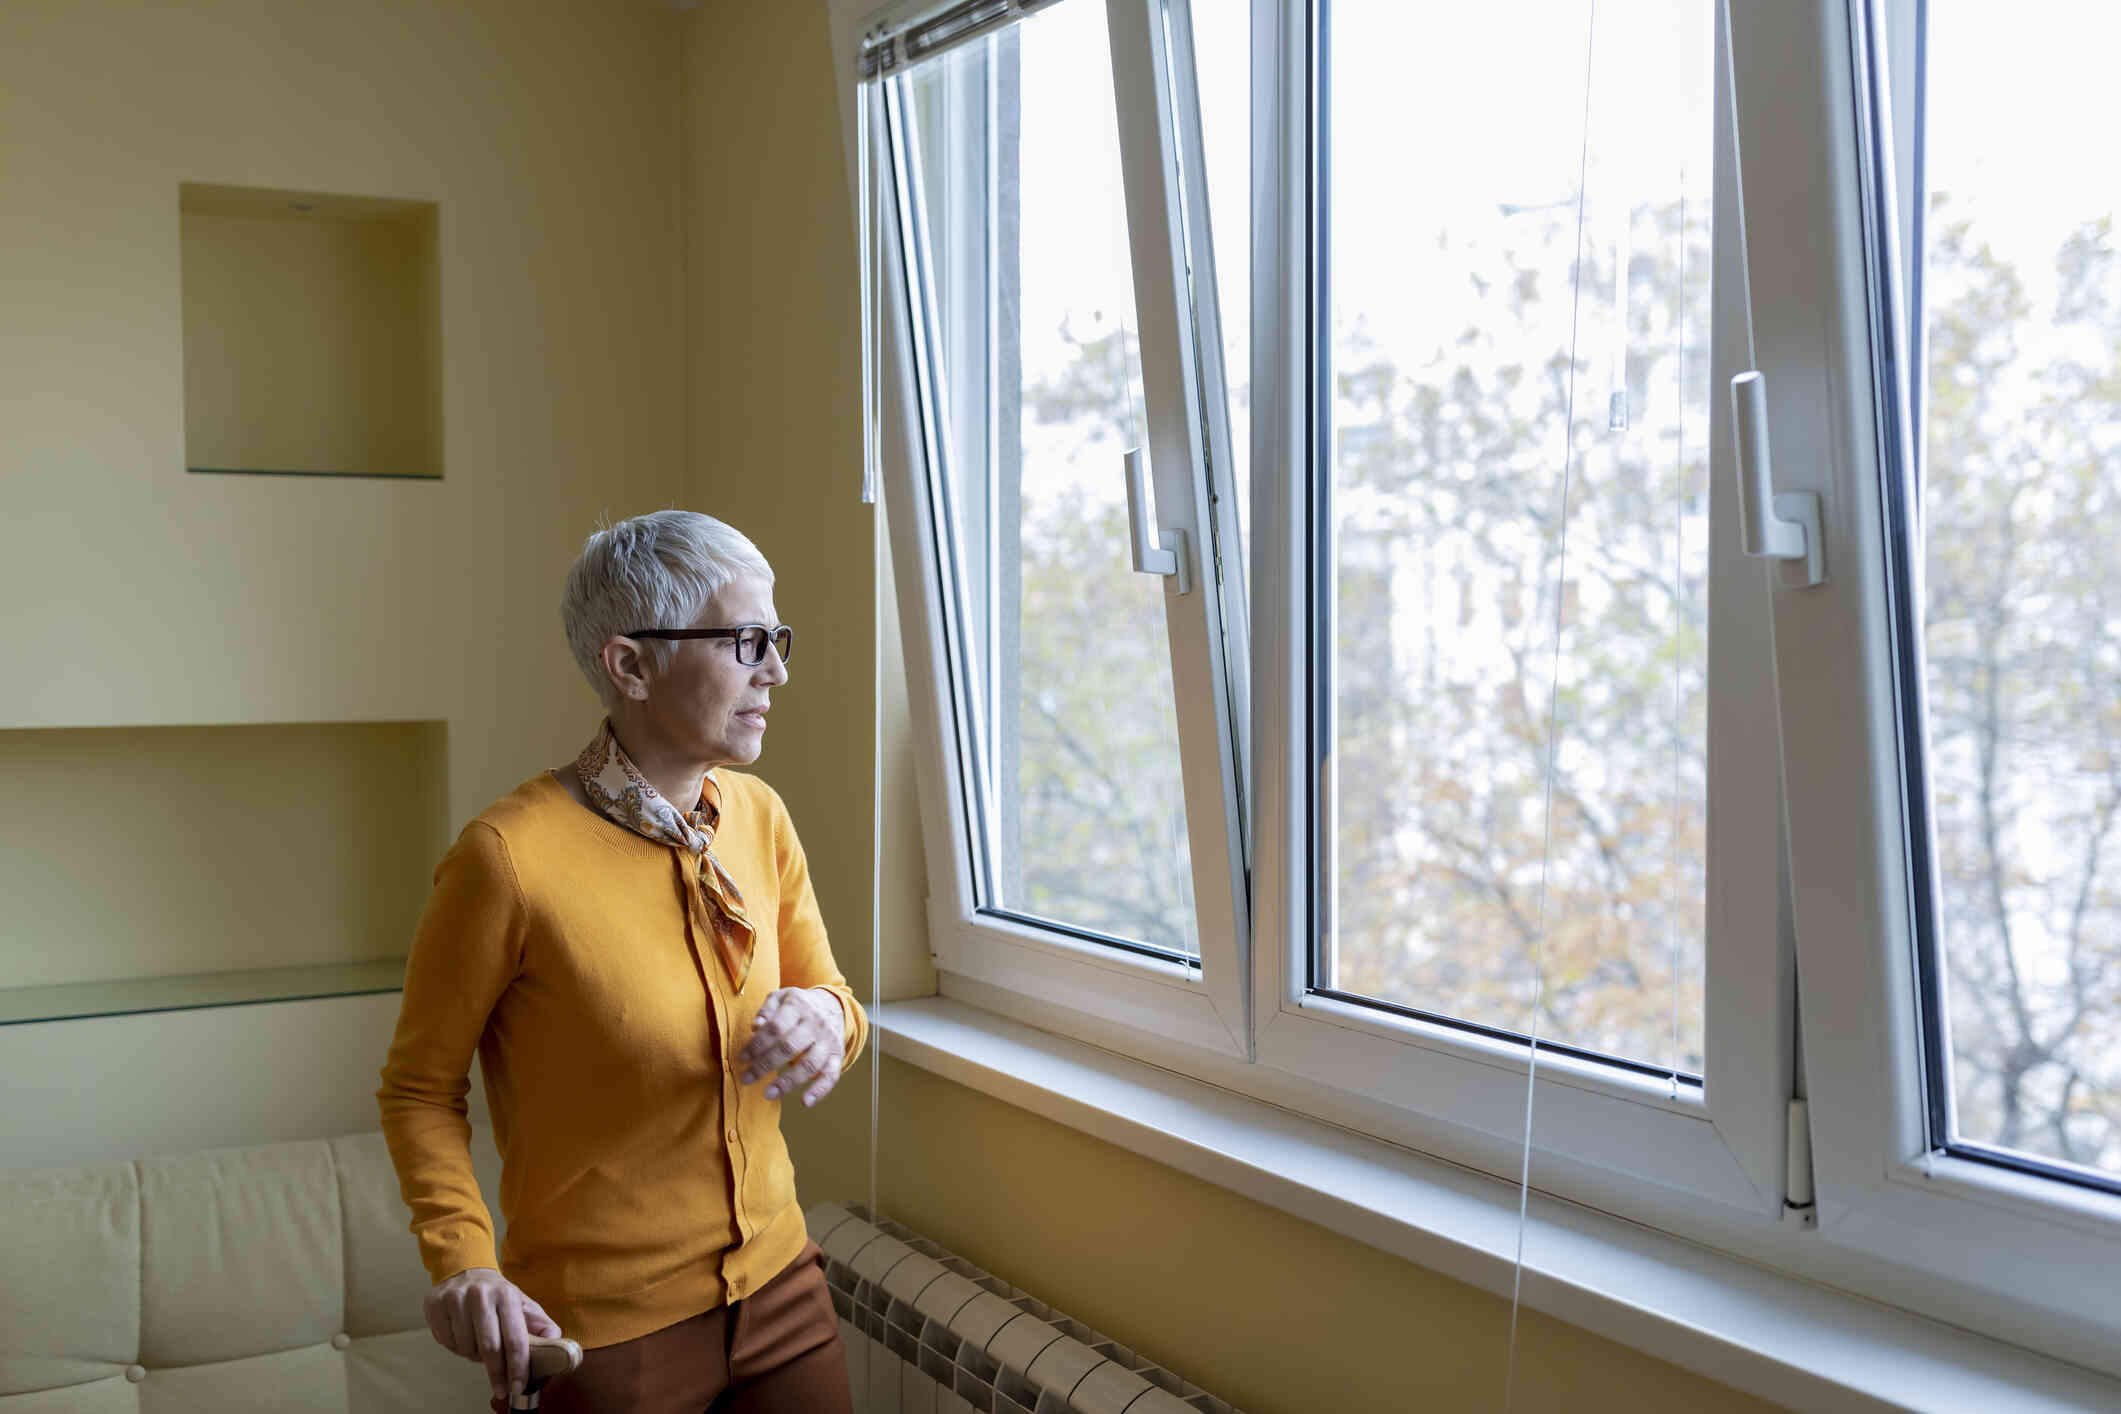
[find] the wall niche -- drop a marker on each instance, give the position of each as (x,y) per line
(154,868)
(312,333)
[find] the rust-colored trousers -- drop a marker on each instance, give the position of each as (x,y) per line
(777,1351)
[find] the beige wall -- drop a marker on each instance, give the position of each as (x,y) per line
(1274,1314)
(774,438)
(133,593)
(129,1087)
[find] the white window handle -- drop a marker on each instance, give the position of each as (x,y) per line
(1169,556)
(1772,525)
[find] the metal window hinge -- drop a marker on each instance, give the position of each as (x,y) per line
(1798,1205)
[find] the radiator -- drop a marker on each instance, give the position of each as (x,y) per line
(929,1333)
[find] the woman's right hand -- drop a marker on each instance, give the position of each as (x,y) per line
(481,1315)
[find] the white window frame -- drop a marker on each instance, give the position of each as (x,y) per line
(1202,1006)
(1729,1151)
(2007,1254)
(2023,1257)
(1724,1142)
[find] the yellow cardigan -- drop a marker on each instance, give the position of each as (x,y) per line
(640,1182)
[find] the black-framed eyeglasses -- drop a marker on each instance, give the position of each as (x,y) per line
(751,639)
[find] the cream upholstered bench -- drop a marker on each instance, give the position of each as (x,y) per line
(273,1278)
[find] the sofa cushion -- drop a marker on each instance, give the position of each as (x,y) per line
(404,1373)
(386,1285)
(312,1380)
(70,1302)
(240,1253)
(407,1373)
(279,1277)
(385,1282)
(114,1395)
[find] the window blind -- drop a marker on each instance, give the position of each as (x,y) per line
(887,50)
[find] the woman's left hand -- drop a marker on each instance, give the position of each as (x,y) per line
(803,1029)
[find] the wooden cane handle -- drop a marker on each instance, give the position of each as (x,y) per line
(553,1355)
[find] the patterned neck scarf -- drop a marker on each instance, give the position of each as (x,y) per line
(618,791)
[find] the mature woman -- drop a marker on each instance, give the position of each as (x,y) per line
(631,945)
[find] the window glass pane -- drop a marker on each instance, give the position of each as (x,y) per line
(2021,497)
(1222,59)
(1457,152)
(1061,646)
(964,161)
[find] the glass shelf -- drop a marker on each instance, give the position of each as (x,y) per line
(128,996)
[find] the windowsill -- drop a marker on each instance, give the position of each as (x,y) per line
(1780,1337)
(73,1001)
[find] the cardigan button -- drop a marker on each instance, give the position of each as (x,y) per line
(135,1373)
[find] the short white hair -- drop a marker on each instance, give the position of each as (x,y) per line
(652,571)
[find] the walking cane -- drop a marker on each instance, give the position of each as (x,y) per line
(550,1356)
